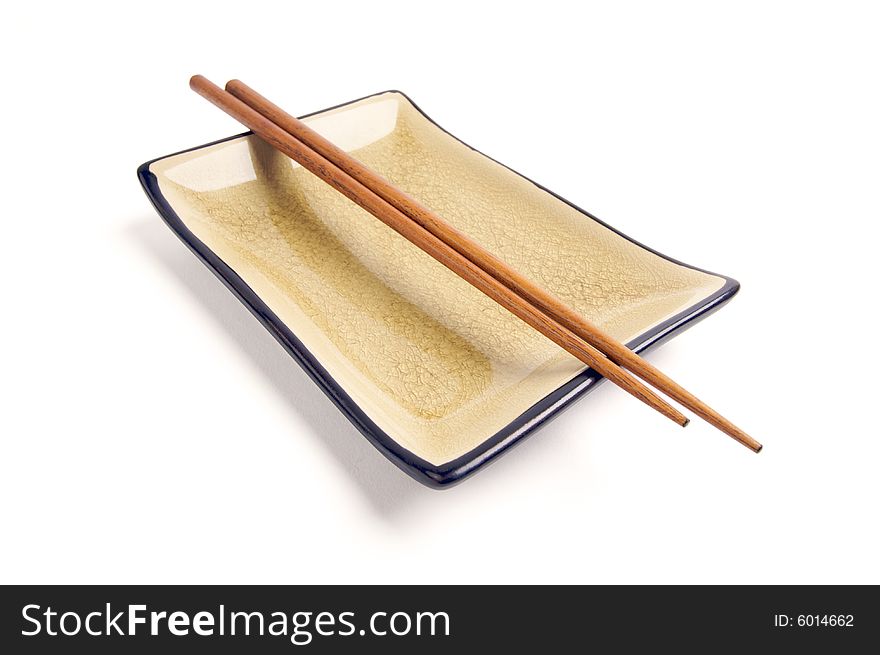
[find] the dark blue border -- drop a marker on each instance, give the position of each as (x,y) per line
(458,469)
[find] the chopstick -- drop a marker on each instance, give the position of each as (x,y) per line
(355,191)
(540,298)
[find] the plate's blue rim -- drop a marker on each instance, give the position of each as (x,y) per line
(444,475)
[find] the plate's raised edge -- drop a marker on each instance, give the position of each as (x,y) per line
(444,475)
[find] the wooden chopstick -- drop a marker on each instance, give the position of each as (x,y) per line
(430,244)
(537,296)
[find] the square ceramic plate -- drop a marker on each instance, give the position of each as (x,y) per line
(438,377)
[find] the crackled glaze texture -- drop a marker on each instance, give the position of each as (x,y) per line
(437,365)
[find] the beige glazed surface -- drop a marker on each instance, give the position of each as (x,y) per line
(434,363)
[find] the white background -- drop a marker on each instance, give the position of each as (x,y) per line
(153,431)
